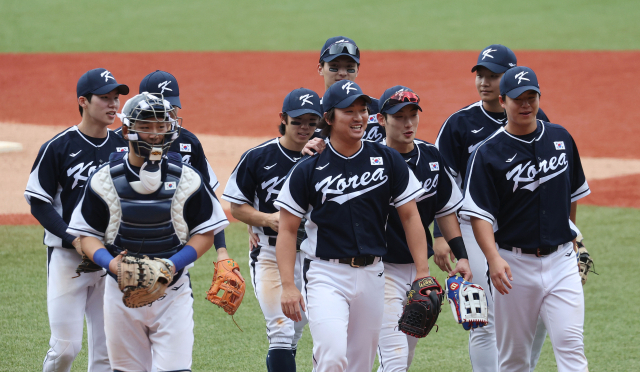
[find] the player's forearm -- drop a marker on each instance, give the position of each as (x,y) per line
(416,237)
(573,212)
(50,219)
(483,232)
(201,242)
(286,247)
(90,245)
(249,215)
(451,230)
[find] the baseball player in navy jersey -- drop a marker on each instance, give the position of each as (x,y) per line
(252,189)
(521,190)
(400,116)
(187,144)
(346,194)
(461,133)
(58,177)
(148,202)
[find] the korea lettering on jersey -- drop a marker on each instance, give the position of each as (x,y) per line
(258,178)
(347,200)
(441,197)
(463,131)
(525,187)
(62,168)
(374,131)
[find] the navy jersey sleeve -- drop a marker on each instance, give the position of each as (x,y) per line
(481,197)
(579,186)
(241,187)
(404,184)
(295,199)
(449,143)
(43,180)
(449,197)
(204,213)
(90,216)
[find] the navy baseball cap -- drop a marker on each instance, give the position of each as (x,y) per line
(395,98)
(497,58)
(163,83)
(342,94)
(302,101)
(339,46)
(517,81)
(99,81)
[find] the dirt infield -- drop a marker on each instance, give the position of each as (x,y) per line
(239,94)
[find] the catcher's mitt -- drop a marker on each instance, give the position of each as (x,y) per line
(143,280)
(86,266)
(229,284)
(421,310)
(584,261)
(468,303)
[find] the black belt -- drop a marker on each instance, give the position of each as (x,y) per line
(272,241)
(539,252)
(356,261)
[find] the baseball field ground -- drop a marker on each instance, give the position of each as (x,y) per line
(247,54)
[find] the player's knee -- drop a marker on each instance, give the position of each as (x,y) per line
(61,354)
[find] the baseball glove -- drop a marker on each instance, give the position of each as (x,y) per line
(143,280)
(86,266)
(227,282)
(421,310)
(584,260)
(468,303)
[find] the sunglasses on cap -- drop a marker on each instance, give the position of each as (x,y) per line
(400,97)
(340,47)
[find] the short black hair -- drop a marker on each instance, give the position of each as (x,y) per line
(283,128)
(88,97)
(323,125)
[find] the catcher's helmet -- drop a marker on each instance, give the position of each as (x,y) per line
(149,108)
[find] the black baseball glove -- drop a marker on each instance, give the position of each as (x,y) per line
(421,310)
(87,266)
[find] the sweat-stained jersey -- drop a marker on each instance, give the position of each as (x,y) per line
(524,186)
(190,148)
(258,177)
(61,170)
(347,199)
(441,197)
(464,130)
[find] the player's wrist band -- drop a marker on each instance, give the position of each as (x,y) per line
(103,258)
(219,241)
(186,256)
(458,248)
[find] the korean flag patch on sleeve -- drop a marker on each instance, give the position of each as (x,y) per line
(185,147)
(434,166)
(376,161)
(559,145)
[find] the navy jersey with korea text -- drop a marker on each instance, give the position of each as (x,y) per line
(61,170)
(202,211)
(524,186)
(258,177)
(441,197)
(190,148)
(463,131)
(346,200)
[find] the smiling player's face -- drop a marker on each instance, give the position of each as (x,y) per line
(488,84)
(402,126)
(102,108)
(521,111)
(341,68)
(349,123)
(299,130)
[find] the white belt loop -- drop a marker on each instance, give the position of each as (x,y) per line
(516,251)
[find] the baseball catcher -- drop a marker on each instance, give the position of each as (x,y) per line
(227,282)
(423,307)
(468,303)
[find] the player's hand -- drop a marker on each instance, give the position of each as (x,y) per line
(273,221)
(113,265)
(78,246)
(463,268)
(253,238)
(316,144)
(500,273)
(291,302)
(224,255)
(442,254)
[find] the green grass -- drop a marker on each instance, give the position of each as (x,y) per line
(146,25)
(610,328)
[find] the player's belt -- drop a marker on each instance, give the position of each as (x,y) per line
(539,252)
(355,261)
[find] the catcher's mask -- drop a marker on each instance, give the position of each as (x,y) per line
(148,108)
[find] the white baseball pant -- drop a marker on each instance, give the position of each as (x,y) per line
(69,301)
(344,308)
(548,287)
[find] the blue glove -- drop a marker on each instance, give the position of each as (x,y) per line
(468,303)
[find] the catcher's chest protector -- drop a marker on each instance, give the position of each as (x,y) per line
(151,224)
